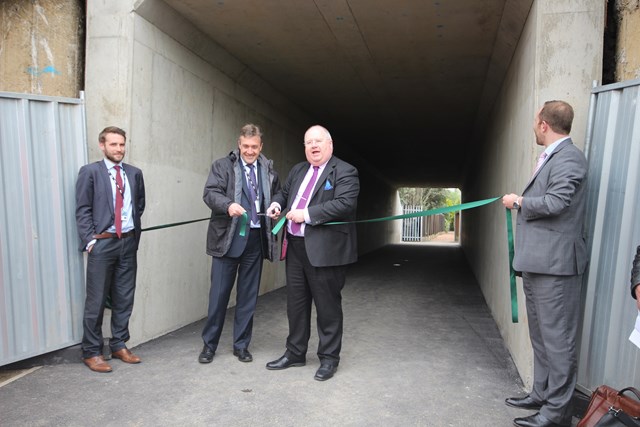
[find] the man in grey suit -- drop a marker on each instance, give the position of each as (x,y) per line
(635,278)
(322,189)
(110,200)
(550,252)
(242,182)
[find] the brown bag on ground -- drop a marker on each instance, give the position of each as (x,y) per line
(613,408)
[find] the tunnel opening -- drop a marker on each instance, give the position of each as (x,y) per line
(424,222)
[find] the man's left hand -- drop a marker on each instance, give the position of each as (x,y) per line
(296,215)
(508,199)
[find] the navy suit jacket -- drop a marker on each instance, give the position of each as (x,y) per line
(94,200)
(334,199)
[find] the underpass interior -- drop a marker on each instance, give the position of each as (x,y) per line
(403,87)
(414,93)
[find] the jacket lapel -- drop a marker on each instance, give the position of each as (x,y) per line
(328,170)
(550,158)
(104,178)
(131,180)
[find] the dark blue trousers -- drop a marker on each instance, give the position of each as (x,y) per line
(111,271)
(248,269)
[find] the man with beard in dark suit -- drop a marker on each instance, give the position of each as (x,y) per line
(110,200)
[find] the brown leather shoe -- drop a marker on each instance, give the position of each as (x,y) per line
(126,356)
(97,364)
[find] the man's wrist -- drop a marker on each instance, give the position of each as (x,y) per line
(517,203)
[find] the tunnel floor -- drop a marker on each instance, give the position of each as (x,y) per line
(420,348)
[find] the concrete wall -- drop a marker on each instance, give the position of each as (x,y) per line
(558,57)
(41,47)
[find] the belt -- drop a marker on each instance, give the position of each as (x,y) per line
(294,237)
(106,235)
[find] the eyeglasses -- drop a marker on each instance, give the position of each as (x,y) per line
(312,142)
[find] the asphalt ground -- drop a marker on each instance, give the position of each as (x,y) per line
(420,348)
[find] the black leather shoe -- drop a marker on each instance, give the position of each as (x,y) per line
(243,355)
(325,371)
(526,402)
(206,355)
(536,420)
(284,362)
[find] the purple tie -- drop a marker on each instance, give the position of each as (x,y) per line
(302,203)
(540,162)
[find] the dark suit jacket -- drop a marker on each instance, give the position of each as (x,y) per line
(635,272)
(334,198)
(225,185)
(94,200)
(549,233)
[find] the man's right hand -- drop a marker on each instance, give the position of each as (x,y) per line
(236,210)
(274,210)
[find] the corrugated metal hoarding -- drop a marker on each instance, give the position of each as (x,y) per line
(42,146)
(613,220)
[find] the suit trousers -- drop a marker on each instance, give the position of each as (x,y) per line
(553,309)
(248,268)
(323,286)
(111,271)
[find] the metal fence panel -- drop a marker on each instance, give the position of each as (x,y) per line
(613,147)
(42,146)
(411,227)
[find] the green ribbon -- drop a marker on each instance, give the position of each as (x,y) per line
(242,223)
(447,209)
(512,272)
(455,208)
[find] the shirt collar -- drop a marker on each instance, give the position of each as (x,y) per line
(109,164)
(551,148)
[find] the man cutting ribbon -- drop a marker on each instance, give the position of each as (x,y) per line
(321,190)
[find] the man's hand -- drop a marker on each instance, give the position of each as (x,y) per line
(236,210)
(508,199)
(296,215)
(273,211)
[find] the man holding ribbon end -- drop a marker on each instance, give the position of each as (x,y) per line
(239,238)
(110,200)
(551,254)
(321,190)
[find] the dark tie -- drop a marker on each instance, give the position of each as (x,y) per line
(253,192)
(302,203)
(119,195)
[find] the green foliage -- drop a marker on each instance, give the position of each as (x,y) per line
(432,198)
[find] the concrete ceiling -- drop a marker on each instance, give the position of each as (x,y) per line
(403,82)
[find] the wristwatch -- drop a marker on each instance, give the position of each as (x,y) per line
(516,205)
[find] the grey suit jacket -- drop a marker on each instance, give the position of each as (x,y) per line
(94,200)
(549,227)
(334,198)
(635,272)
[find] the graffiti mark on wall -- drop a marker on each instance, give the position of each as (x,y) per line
(46,70)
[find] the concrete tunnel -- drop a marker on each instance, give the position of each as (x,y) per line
(438,93)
